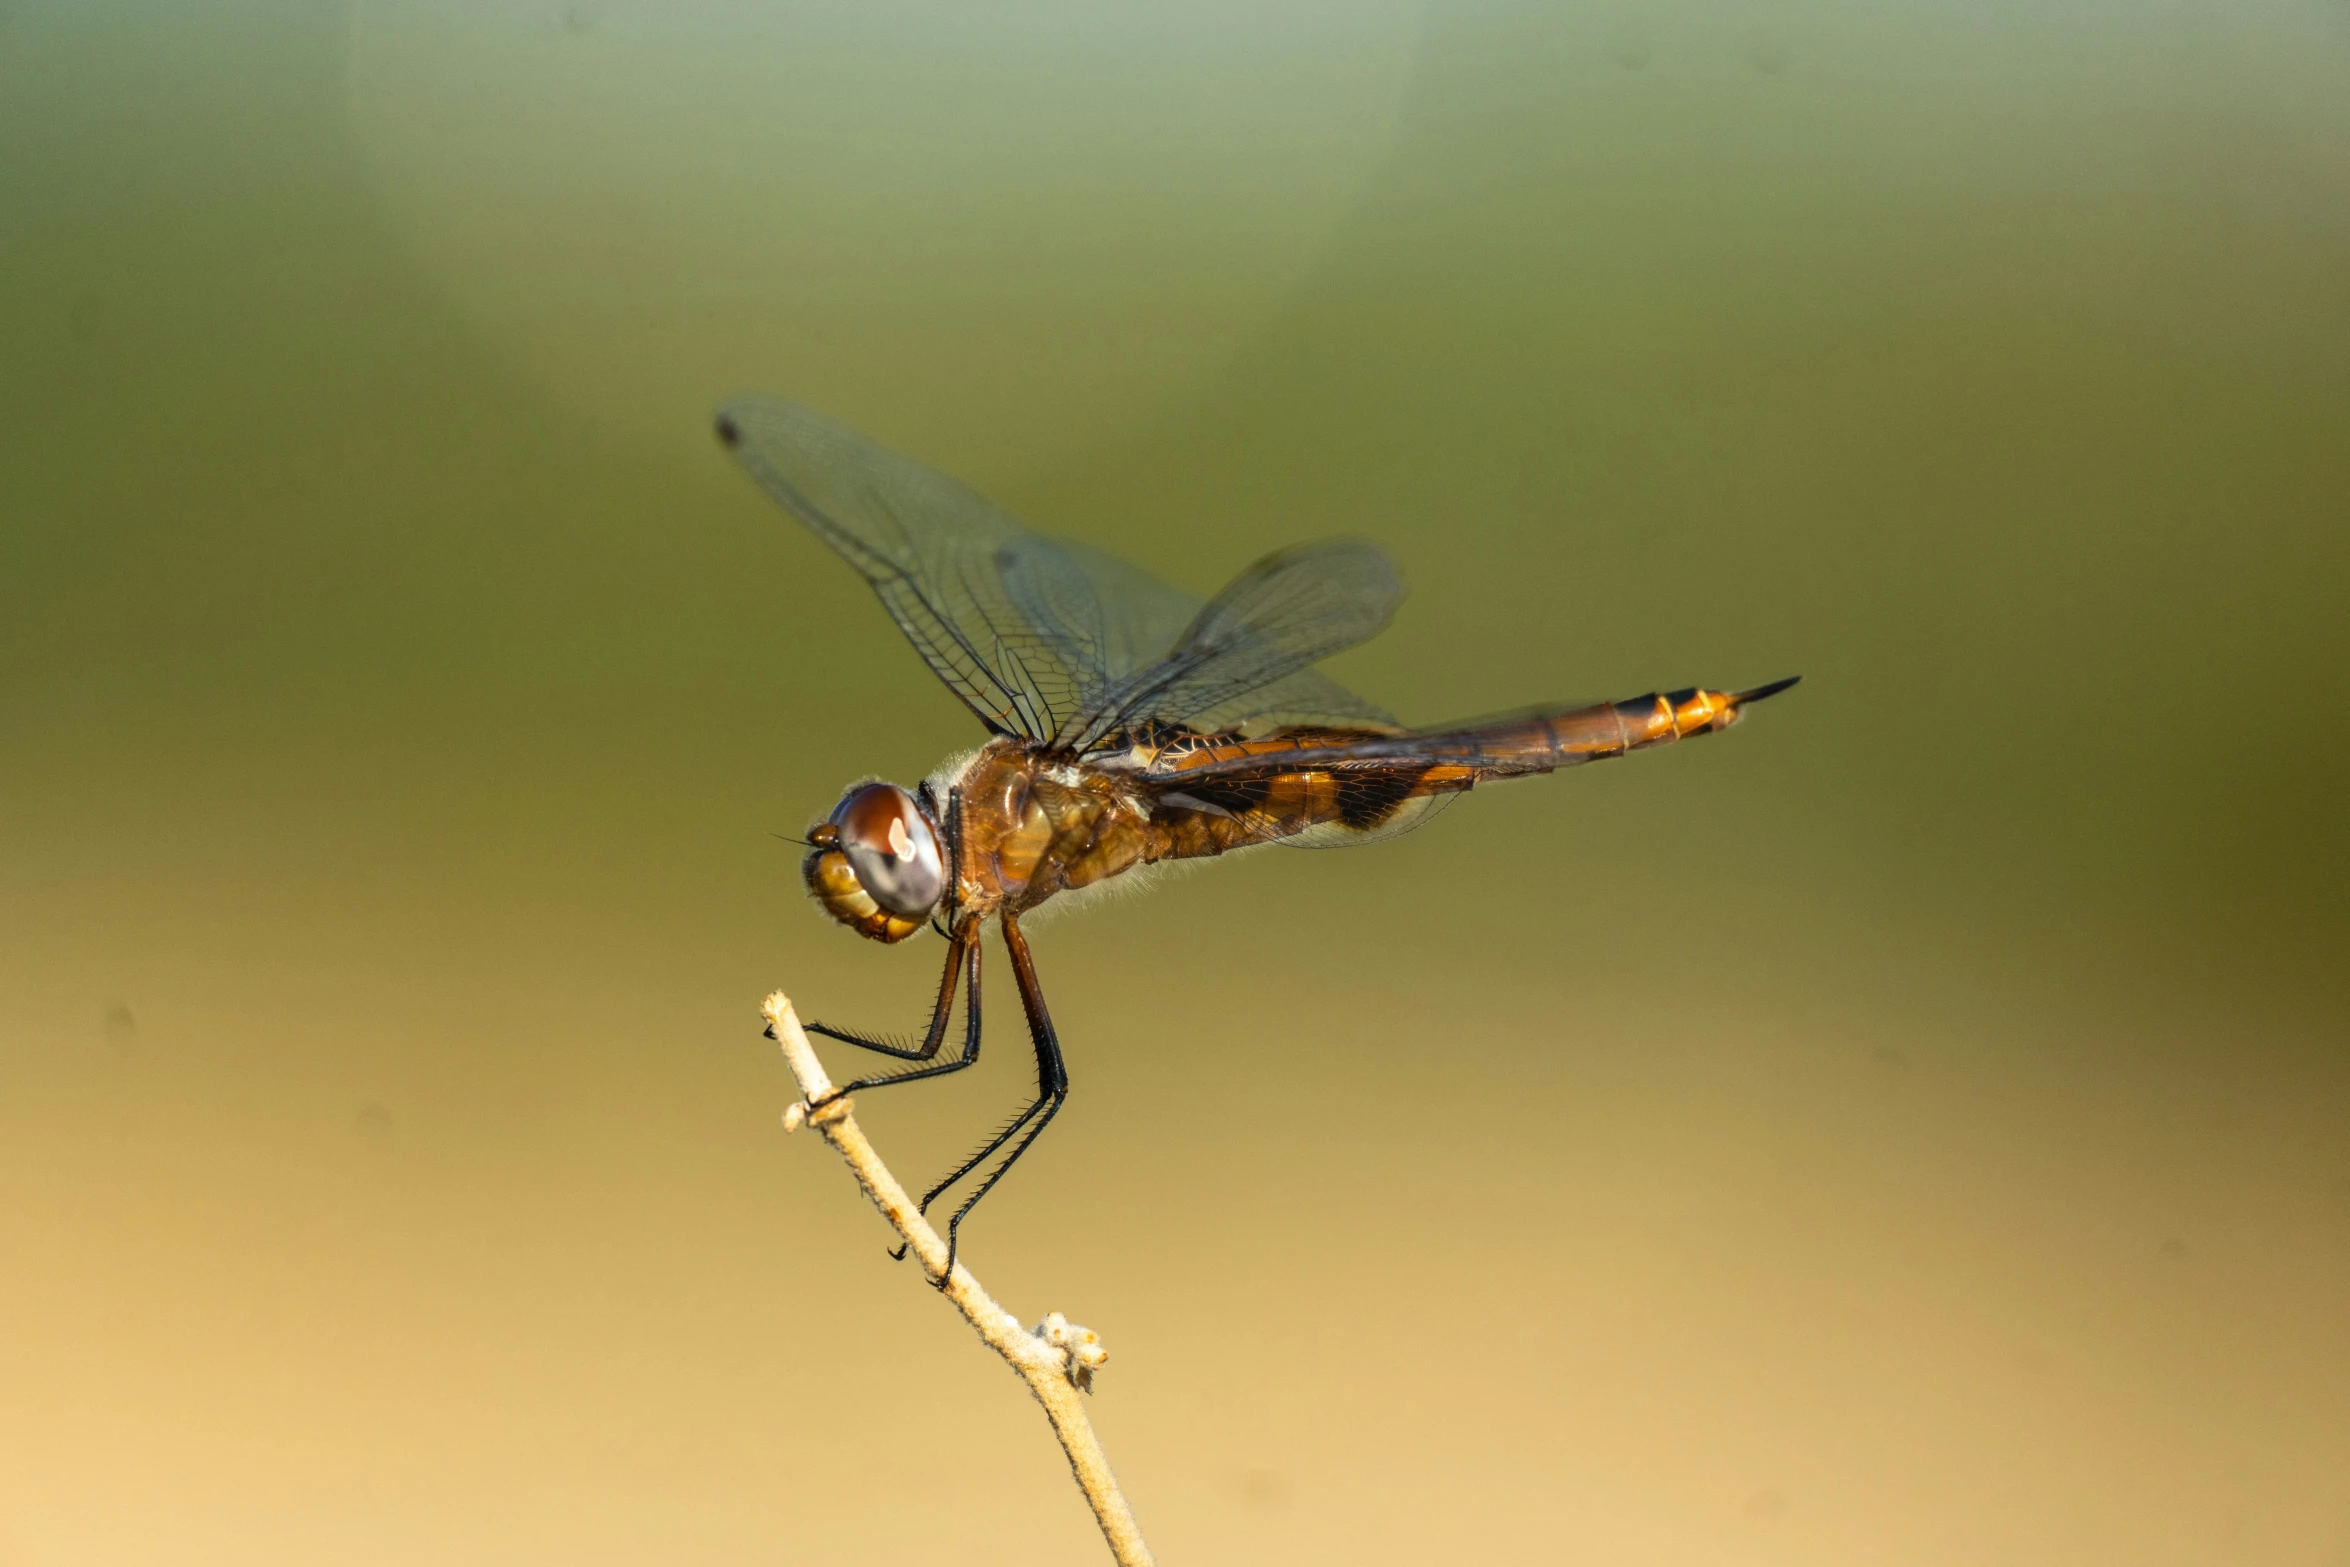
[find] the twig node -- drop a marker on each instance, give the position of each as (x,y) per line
(1081,1347)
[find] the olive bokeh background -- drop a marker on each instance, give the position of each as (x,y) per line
(1908,1129)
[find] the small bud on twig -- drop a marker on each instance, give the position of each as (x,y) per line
(1080,1346)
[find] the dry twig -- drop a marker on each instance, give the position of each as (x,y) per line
(1057,1359)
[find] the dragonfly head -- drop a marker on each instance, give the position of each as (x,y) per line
(876,865)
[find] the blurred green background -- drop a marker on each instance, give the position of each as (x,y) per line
(1910,1129)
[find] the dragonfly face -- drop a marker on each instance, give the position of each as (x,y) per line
(1129,724)
(876,863)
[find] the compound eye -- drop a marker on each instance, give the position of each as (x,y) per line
(891,848)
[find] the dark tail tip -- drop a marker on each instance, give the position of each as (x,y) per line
(730,434)
(1741,698)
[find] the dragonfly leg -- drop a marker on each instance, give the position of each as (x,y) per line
(962,965)
(1052,1088)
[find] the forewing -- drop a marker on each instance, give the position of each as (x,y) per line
(1246,655)
(1026,630)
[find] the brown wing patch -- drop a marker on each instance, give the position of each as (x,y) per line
(1366,800)
(1217,814)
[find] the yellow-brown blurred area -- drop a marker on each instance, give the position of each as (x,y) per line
(1909,1129)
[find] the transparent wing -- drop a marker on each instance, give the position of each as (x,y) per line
(1026,630)
(1244,658)
(1046,638)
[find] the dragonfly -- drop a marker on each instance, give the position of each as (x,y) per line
(1128,726)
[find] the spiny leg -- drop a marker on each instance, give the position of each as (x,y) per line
(1012,1127)
(1052,1087)
(938,1016)
(969,1055)
(962,965)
